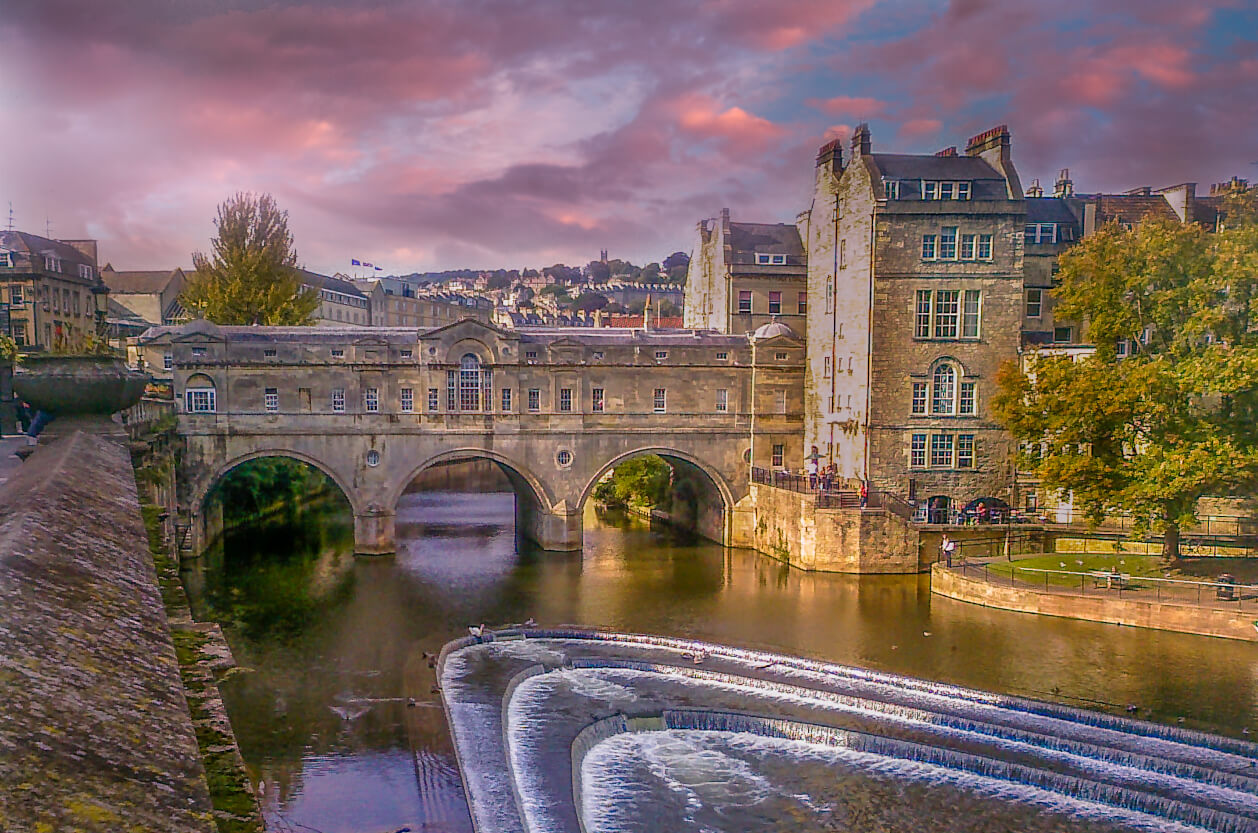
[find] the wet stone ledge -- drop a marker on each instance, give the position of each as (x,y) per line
(95,731)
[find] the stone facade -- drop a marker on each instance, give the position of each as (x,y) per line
(745,275)
(556,409)
(917,265)
(48,287)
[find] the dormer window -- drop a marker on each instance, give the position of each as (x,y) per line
(85,272)
(946,190)
(892,188)
(770,260)
(52,263)
(1041,233)
(6,260)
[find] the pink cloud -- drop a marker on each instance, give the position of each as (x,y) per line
(862,107)
(919,128)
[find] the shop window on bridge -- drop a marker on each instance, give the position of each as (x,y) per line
(408,400)
(779,455)
(433,399)
(535,399)
(271,399)
(199,395)
(565,399)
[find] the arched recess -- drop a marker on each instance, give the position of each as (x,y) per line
(206,488)
(711,522)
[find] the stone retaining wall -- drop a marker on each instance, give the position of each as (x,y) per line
(1163,616)
(788,525)
(95,732)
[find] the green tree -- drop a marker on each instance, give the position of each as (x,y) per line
(597,271)
(250,276)
(640,481)
(1175,418)
(589,301)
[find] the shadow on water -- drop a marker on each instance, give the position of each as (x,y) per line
(336,646)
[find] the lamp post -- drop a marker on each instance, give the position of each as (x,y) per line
(100,297)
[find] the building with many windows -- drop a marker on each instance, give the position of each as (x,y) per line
(916,262)
(340,301)
(745,275)
(47,286)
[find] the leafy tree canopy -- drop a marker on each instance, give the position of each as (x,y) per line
(589,301)
(598,271)
(1176,418)
(639,481)
(250,276)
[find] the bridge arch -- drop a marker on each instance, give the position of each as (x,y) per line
(518,473)
(538,516)
(713,527)
(205,488)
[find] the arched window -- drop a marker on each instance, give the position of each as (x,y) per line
(199,395)
(943,398)
(469,383)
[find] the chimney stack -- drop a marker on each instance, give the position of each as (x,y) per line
(831,153)
(951,150)
(1064,186)
(860,140)
(993,146)
(1035,190)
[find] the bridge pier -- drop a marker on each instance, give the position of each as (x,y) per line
(375,532)
(556,530)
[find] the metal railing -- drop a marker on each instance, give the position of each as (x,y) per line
(1217,594)
(830,498)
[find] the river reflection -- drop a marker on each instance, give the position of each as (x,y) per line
(336,645)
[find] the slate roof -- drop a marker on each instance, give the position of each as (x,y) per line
(1132,208)
(314,279)
(137,282)
(747,239)
(33,244)
(916,166)
(1049,210)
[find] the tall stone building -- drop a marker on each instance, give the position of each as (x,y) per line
(916,262)
(745,275)
(48,289)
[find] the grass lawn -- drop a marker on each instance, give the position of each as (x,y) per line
(1131,565)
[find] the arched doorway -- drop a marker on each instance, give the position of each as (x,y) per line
(938,509)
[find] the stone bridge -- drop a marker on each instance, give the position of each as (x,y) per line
(556,409)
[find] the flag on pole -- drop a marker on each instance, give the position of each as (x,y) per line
(379,268)
(365,263)
(353,262)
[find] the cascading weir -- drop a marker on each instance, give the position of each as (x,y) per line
(593,733)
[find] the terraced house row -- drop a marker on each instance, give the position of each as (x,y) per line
(912,278)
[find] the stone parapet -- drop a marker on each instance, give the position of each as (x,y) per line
(95,732)
(1164,616)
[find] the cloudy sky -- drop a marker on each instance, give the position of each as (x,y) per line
(432,134)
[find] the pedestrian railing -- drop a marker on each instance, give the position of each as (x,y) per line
(1217,594)
(828,498)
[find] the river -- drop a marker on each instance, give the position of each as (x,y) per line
(335,708)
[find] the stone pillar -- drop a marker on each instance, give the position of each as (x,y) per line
(554,529)
(375,532)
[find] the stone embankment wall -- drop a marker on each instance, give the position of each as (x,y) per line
(1163,616)
(788,525)
(95,732)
